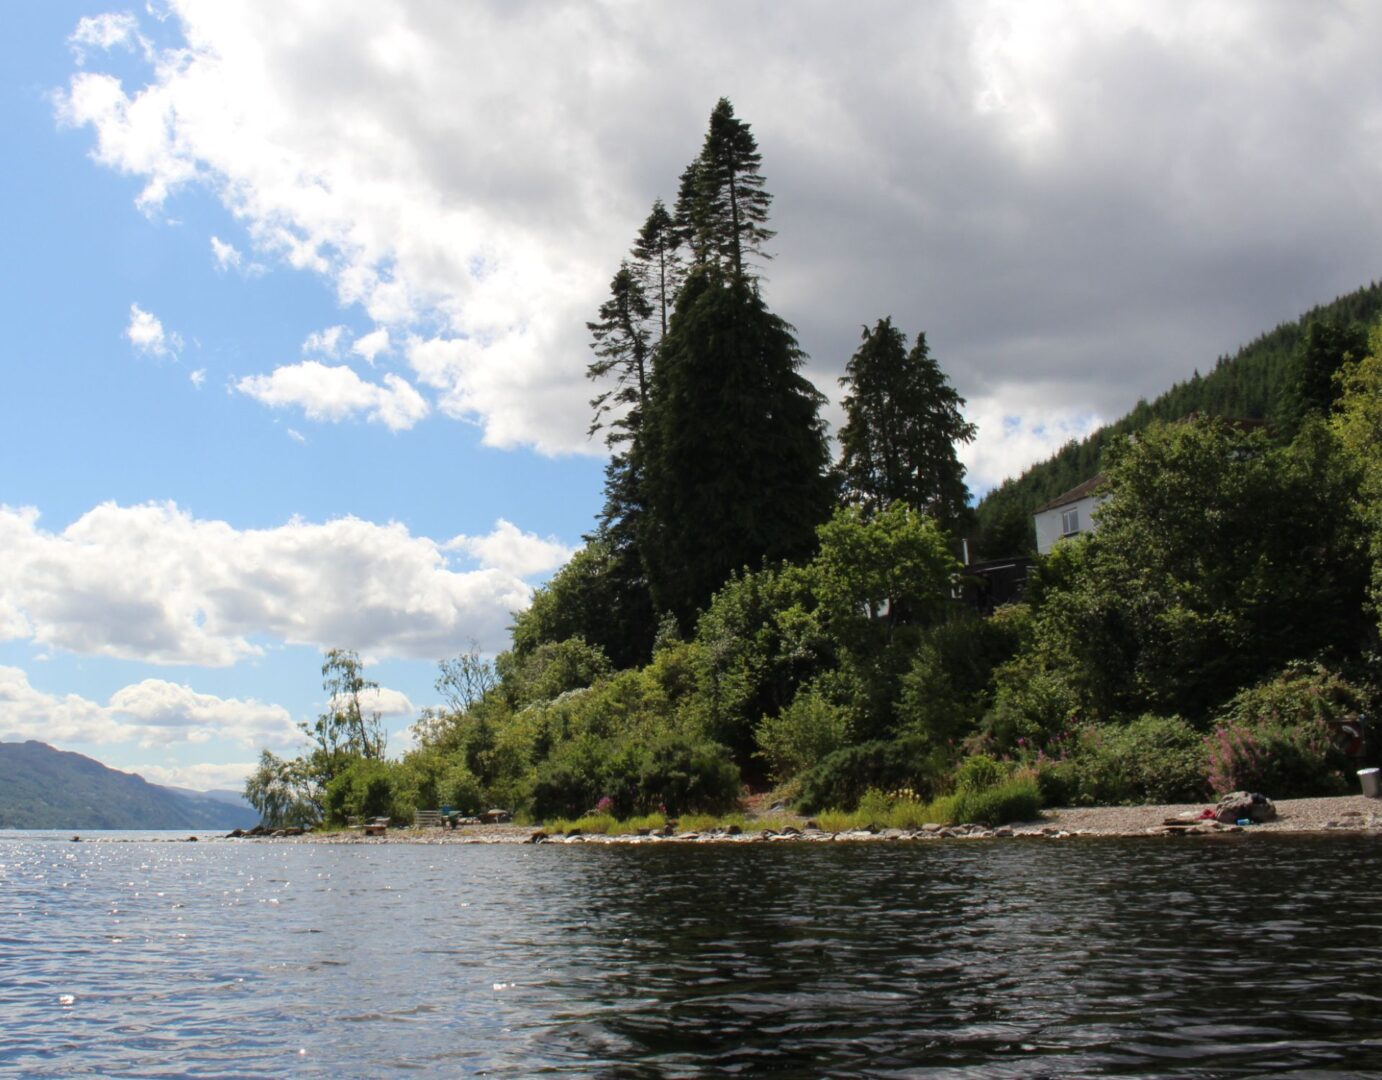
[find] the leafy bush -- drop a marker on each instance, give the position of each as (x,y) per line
(366,789)
(950,682)
(978,772)
(841,779)
(673,775)
(1018,799)
(460,790)
(1280,738)
(1154,759)
(807,731)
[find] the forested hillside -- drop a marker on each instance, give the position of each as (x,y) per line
(44,788)
(1260,382)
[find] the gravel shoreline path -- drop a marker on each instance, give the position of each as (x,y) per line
(1349,813)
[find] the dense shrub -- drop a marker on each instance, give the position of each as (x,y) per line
(950,684)
(674,774)
(1282,737)
(460,790)
(1017,799)
(366,788)
(979,772)
(1154,759)
(841,779)
(807,731)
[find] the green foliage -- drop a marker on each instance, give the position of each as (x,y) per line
(1194,584)
(732,446)
(1282,737)
(282,791)
(1358,426)
(551,669)
(1153,759)
(757,643)
(902,425)
(879,582)
(978,772)
(1016,799)
(841,779)
(366,788)
(950,684)
(722,208)
(673,774)
(460,790)
(808,730)
(600,595)
(346,730)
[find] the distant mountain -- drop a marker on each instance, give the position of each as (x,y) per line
(44,788)
(1253,384)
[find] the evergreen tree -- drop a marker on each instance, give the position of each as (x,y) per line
(657,262)
(733,451)
(722,207)
(621,346)
(1323,349)
(902,425)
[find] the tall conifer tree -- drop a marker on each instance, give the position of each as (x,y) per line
(657,261)
(902,425)
(733,451)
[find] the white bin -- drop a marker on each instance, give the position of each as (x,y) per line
(1368,778)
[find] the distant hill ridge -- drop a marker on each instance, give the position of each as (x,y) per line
(44,788)
(1249,385)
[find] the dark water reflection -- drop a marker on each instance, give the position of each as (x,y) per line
(1252,956)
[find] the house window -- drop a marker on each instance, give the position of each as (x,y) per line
(1070,522)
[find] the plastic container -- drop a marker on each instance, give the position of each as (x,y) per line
(1368,778)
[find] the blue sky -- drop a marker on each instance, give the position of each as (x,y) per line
(296,293)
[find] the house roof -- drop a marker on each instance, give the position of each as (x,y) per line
(1075,494)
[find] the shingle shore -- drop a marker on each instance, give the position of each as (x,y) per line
(1350,813)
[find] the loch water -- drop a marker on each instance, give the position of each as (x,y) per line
(1243,956)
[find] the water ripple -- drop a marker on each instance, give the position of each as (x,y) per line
(1022,960)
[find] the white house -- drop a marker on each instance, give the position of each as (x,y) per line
(1067,515)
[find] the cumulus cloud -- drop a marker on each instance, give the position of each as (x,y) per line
(227,255)
(371,345)
(325,342)
(510,549)
(335,392)
(197,378)
(145,332)
(227,776)
(104,32)
(155,584)
(152,712)
(1079,202)
(381,700)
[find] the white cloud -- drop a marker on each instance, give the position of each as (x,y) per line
(371,345)
(333,393)
(227,776)
(227,255)
(152,713)
(1142,177)
(513,551)
(198,377)
(152,583)
(297,436)
(384,701)
(145,332)
(1010,440)
(104,32)
(325,342)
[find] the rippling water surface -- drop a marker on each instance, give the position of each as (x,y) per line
(1247,956)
